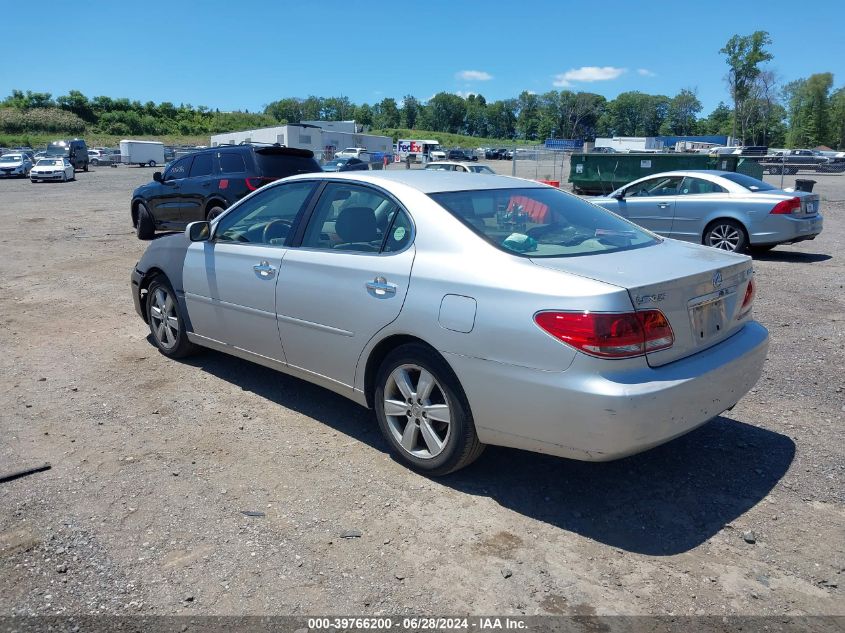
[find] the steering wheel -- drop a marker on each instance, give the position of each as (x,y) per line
(276,229)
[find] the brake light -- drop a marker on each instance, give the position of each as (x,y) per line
(747,300)
(254,183)
(786,207)
(617,335)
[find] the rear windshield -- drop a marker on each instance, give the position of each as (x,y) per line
(58,150)
(272,165)
(747,182)
(542,222)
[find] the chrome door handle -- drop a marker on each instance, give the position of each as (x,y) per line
(381,287)
(264,270)
(663,205)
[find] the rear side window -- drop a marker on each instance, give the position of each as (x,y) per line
(201,166)
(542,222)
(272,165)
(747,182)
(232,163)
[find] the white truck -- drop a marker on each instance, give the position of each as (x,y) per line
(360,153)
(419,150)
(142,153)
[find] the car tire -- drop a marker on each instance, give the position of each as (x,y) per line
(95,162)
(166,321)
(145,227)
(152,163)
(213,212)
(435,435)
(727,235)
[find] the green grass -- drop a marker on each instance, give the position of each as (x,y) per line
(96,140)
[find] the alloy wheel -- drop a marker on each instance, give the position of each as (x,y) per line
(164,320)
(417,411)
(724,236)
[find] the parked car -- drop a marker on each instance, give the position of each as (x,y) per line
(790,161)
(476,310)
(204,183)
(505,154)
(460,155)
(99,157)
(460,167)
(727,210)
(354,152)
(491,154)
(39,155)
(346,164)
(15,165)
(52,168)
(604,150)
(76,151)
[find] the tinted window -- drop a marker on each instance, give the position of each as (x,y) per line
(350,217)
(693,186)
(272,165)
(542,222)
(398,233)
(201,166)
(267,217)
(747,182)
(179,169)
(232,163)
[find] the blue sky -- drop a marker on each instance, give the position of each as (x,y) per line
(242,55)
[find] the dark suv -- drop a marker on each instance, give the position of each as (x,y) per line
(460,155)
(202,185)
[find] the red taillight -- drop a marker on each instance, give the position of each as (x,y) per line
(254,183)
(748,300)
(787,207)
(609,335)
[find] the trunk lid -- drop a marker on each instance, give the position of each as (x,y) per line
(700,290)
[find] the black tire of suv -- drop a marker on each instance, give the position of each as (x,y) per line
(213,212)
(145,227)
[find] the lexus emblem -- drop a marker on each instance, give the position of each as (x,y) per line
(717,279)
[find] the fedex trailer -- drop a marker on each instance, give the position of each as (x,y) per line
(419,150)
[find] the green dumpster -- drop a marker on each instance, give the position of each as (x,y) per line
(603,173)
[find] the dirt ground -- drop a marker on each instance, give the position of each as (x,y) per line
(154,463)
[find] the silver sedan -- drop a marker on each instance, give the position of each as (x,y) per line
(464,311)
(723,209)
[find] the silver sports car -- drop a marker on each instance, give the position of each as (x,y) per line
(464,311)
(723,209)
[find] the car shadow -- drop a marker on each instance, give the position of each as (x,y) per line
(791,256)
(662,502)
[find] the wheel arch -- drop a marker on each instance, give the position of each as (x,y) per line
(724,214)
(380,351)
(144,286)
(213,201)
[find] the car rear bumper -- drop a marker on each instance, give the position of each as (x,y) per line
(785,229)
(599,410)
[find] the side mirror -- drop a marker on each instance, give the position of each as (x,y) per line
(198,231)
(157,177)
(619,195)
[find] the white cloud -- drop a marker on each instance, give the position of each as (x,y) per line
(464,94)
(645,72)
(588,74)
(473,75)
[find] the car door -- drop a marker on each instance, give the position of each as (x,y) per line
(697,197)
(651,203)
(165,201)
(345,281)
(230,280)
(196,187)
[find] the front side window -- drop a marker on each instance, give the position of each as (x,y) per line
(179,169)
(542,222)
(350,217)
(663,186)
(266,218)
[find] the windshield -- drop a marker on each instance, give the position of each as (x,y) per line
(11,158)
(542,222)
(747,182)
(49,162)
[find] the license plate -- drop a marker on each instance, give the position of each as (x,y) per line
(708,320)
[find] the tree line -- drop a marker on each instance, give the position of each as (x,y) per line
(802,113)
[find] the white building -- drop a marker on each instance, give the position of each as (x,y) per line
(321,139)
(631,143)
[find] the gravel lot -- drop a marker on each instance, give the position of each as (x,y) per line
(156,461)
